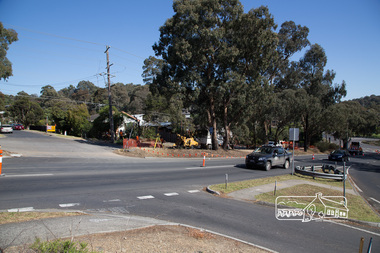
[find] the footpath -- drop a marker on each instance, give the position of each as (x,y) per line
(13,234)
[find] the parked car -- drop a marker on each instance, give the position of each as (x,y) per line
(6,129)
(339,155)
(18,127)
(268,156)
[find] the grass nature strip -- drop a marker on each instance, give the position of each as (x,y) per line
(358,208)
(235,186)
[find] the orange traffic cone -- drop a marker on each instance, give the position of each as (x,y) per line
(313,156)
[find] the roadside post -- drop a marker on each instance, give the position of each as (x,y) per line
(1,160)
(293,136)
(344,182)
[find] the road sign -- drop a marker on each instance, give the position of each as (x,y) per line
(294,134)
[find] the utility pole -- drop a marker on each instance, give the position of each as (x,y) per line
(109,96)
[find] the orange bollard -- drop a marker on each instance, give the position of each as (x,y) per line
(1,160)
(204,161)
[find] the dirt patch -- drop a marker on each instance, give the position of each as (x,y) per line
(199,153)
(159,239)
(183,153)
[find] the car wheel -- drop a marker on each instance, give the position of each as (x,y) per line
(286,164)
(268,166)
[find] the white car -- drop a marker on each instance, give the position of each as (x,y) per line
(6,129)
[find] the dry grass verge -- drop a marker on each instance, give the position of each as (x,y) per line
(14,217)
(158,239)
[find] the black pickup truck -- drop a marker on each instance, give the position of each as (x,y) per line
(268,156)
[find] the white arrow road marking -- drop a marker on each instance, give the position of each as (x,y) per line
(171,194)
(375,200)
(146,197)
(193,191)
(69,204)
(22,209)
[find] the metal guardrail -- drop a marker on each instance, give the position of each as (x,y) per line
(311,171)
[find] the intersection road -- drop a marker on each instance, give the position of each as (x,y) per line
(72,174)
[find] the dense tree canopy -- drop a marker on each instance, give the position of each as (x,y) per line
(235,72)
(7,37)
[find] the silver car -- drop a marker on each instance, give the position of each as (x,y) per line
(6,129)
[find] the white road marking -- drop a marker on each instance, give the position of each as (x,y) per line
(69,205)
(345,225)
(112,200)
(210,167)
(30,175)
(98,220)
(375,200)
(193,191)
(146,197)
(171,194)
(18,210)
(357,187)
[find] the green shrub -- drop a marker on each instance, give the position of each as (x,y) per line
(59,246)
(325,146)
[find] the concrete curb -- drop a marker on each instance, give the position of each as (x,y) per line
(208,189)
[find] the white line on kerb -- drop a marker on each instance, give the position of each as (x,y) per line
(18,210)
(69,205)
(146,197)
(171,194)
(375,200)
(357,187)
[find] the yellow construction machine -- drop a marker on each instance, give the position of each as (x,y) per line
(185,142)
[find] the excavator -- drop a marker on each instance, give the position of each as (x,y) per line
(185,142)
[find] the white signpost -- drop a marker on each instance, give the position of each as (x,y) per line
(294,136)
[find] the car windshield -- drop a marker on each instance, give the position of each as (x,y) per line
(338,152)
(264,150)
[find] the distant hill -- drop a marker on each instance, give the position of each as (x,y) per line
(370,102)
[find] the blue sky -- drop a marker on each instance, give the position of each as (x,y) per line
(63,42)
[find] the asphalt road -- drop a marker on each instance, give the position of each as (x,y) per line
(72,174)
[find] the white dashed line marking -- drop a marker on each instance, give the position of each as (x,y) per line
(69,205)
(375,200)
(193,191)
(22,209)
(171,194)
(146,197)
(209,167)
(112,200)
